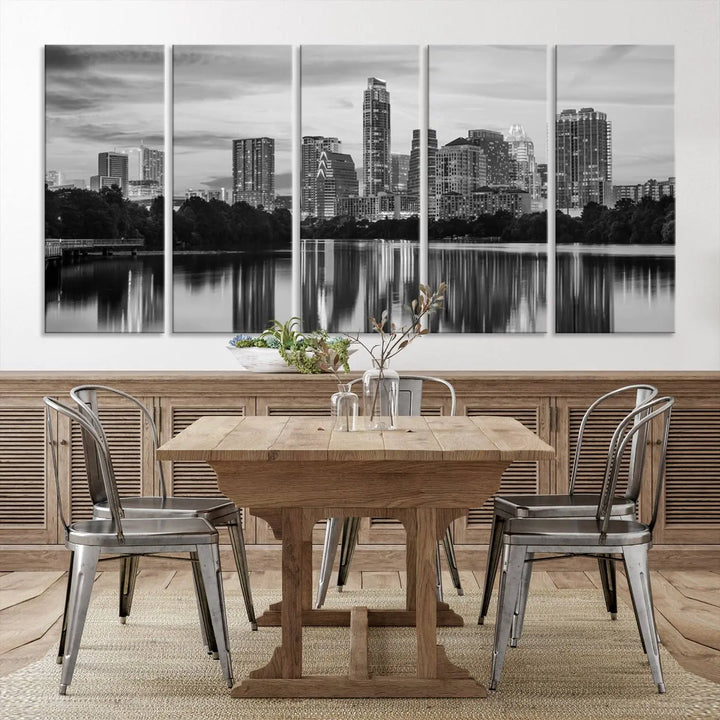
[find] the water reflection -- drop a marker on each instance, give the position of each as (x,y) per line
(105,294)
(498,289)
(344,282)
(226,292)
(612,292)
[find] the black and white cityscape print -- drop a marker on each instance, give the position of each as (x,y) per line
(232,220)
(104,179)
(487,187)
(615,189)
(359,228)
(360,187)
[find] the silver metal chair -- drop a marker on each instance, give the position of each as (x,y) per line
(575,505)
(409,403)
(605,535)
(218,511)
(126,537)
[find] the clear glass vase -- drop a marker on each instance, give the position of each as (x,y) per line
(381,388)
(344,408)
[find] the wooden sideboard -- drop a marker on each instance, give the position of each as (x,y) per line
(550,403)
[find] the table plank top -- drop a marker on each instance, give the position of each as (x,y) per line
(426,439)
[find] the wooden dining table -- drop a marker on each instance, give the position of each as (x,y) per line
(294,471)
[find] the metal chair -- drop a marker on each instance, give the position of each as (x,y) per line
(218,511)
(129,538)
(605,535)
(409,403)
(575,505)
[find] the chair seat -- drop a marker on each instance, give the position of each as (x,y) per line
(575,532)
(146,506)
(145,532)
(558,506)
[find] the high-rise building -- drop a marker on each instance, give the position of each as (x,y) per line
(583,158)
(336,180)
(53,177)
(413,187)
(460,168)
(376,137)
(312,148)
(98,182)
(399,175)
(523,168)
(653,189)
(114,165)
(254,171)
(496,151)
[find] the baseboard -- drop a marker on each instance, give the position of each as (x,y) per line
(367,558)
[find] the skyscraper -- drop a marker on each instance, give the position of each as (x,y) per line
(413,186)
(376,137)
(399,175)
(583,158)
(254,171)
(523,168)
(497,153)
(461,168)
(113,164)
(336,179)
(312,148)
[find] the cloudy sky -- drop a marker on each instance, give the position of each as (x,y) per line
(488,87)
(633,84)
(99,97)
(334,78)
(227,92)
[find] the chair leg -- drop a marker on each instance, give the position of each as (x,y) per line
(438,574)
(238,546)
(513,564)
(209,561)
(63,631)
(449,547)
(638,576)
(81,583)
(128,575)
(333,528)
(206,629)
(493,561)
(607,577)
(519,617)
(351,526)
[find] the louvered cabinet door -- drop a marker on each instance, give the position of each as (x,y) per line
(186,478)
(521,477)
(596,441)
(131,450)
(690,507)
(28,506)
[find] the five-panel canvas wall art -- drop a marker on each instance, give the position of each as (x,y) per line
(480,171)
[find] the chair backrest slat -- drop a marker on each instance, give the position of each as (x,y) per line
(636,422)
(86,397)
(643,393)
(411,390)
(102,453)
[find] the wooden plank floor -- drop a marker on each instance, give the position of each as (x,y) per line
(687,605)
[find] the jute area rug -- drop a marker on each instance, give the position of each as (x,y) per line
(573,662)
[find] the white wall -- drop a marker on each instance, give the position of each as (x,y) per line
(693,26)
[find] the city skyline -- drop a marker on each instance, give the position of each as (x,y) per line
(509,89)
(223,93)
(97,98)
(633,85)
(334,79)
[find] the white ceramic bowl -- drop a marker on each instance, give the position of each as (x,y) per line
(261,360)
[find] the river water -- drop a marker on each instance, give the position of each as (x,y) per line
(491,289)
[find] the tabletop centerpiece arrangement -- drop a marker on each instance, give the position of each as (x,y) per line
(381,384)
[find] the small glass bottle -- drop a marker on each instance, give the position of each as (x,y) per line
(344,408)
(381,392)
